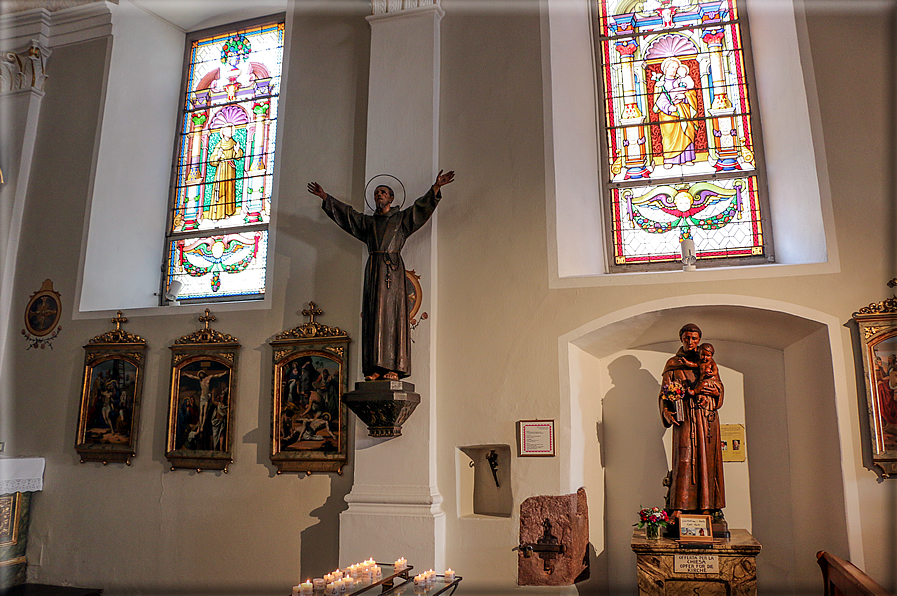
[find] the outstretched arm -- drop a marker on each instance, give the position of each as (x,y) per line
(316,189)
(442,180)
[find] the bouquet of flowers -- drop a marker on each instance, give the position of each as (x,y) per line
(653,516)
(672,393)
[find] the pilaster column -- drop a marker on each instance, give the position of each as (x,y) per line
(22,78)
(395,506)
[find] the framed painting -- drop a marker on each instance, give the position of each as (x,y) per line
(110,396)
(201,404)
(878,334)
(308,416)
(43,311)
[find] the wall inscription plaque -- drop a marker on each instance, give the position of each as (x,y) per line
(696,564)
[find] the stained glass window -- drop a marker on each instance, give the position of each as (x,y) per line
(680,132)
(223,173)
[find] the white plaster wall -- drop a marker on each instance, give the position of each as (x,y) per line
(126,220)
(808,388)
(500,319)
(500,315)
(143,528)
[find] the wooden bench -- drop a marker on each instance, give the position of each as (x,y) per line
(843,578)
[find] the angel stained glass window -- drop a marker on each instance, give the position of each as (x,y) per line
(217,241)
(681,137)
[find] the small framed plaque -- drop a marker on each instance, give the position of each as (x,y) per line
(732,436)
(535,438)
(695,529)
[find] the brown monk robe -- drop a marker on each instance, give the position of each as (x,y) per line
(697,467)
(385,328)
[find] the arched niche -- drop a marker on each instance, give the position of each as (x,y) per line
(784,370)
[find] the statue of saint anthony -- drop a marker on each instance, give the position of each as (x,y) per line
(385,328)
(691,380)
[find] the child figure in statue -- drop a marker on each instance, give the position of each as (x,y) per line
(708,381)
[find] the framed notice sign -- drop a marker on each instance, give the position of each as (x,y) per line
(695,528)
(535,438)
(732,436)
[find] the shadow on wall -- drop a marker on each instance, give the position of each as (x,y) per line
(320,546)
(635,467)
(632,455)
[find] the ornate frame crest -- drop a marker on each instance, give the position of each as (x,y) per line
(308,417)
(111,389)
(202,398)
(877,325)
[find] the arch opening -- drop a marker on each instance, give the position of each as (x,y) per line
(778,367)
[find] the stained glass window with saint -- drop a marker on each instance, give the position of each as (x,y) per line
(680,136)
(223,171)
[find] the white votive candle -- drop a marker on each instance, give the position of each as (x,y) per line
(296,590)
(306,588)
(331,589)
(319,583)
(449,575)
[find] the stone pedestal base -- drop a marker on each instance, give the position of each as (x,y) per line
(383,406)
(667,569)
(554,540)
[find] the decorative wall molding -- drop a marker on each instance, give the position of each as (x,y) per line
(393,6)
(24,68)
(55,28)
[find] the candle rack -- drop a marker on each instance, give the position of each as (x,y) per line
(399,583)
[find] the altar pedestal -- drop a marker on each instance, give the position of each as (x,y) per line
(19,477)
(667,569)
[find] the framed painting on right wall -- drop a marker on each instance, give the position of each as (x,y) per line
(878,333)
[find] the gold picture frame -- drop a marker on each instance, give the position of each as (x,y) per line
(308,417)
(695,528)
(877,324)
(111,388)
(10,506)
(201,399)
(43,311)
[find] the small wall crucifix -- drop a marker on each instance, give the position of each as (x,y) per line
(311,311)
